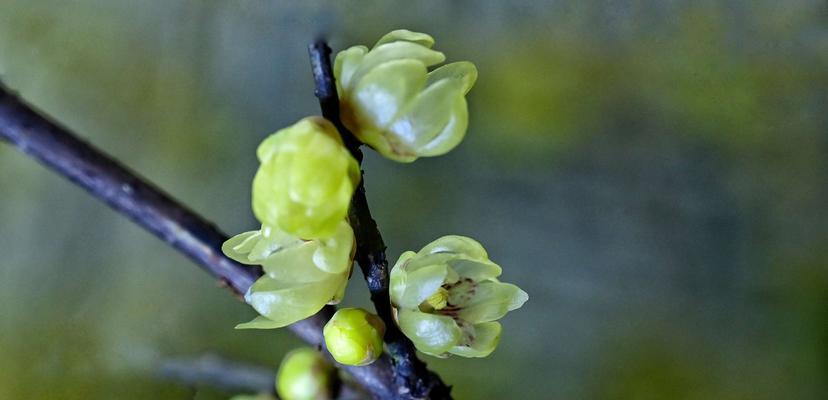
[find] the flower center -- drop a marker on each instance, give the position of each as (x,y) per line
(439,299)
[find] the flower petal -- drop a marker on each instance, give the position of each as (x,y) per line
(484,340)
(396,51)
(259,322)
(386,89)
(407,36)
(464,71)
(431,334)
(399,277)
(428,113)
(489,301)
(287,302)
(335,254)
(238,247)
(272,241)
(458,245)
(421,284)
(474,269)
(346,64)
(295,264)
(453,132)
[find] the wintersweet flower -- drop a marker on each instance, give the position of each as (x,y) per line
(301,276)
(306,179)
(447,298)
(391,102)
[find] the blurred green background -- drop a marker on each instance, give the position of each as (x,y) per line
(653,173)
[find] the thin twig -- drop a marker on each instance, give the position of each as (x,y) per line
(413,378)
(236,377)
(133,196)
(220,373)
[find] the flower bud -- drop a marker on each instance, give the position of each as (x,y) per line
(305,375)
(354,336)
(391,102)
(306,179)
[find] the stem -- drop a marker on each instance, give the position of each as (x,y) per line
(148,206)
(235,377)
(414,380)
(215,371)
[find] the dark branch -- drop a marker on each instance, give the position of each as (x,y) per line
(212,370)
(413,378)
(127,193)
(235,377)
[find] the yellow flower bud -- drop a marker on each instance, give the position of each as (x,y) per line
(305,375)
(306,179)
(391,102)
(354,336)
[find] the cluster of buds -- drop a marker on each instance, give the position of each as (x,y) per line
(446,298)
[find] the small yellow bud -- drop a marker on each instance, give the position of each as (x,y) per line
(306,179)
(305,375)
(354,336)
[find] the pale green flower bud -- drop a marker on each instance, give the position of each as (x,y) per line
(305,375)
(447,298)
(391,102)
(354,336)
(306,179)
(301,276)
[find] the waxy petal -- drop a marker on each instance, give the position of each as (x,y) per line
(427,114)
(287,302)
(346,64)
(456,244)
(386,89)
(484,339)
(406,36)
(491,301)
(432,334)
(464,71)
(421,284)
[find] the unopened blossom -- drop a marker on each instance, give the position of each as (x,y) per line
(354,336)
(392,102)
(305,375)
(306,179)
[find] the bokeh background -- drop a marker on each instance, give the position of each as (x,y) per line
(653,173)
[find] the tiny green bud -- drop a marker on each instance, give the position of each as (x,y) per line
(354,336)
(305,375)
